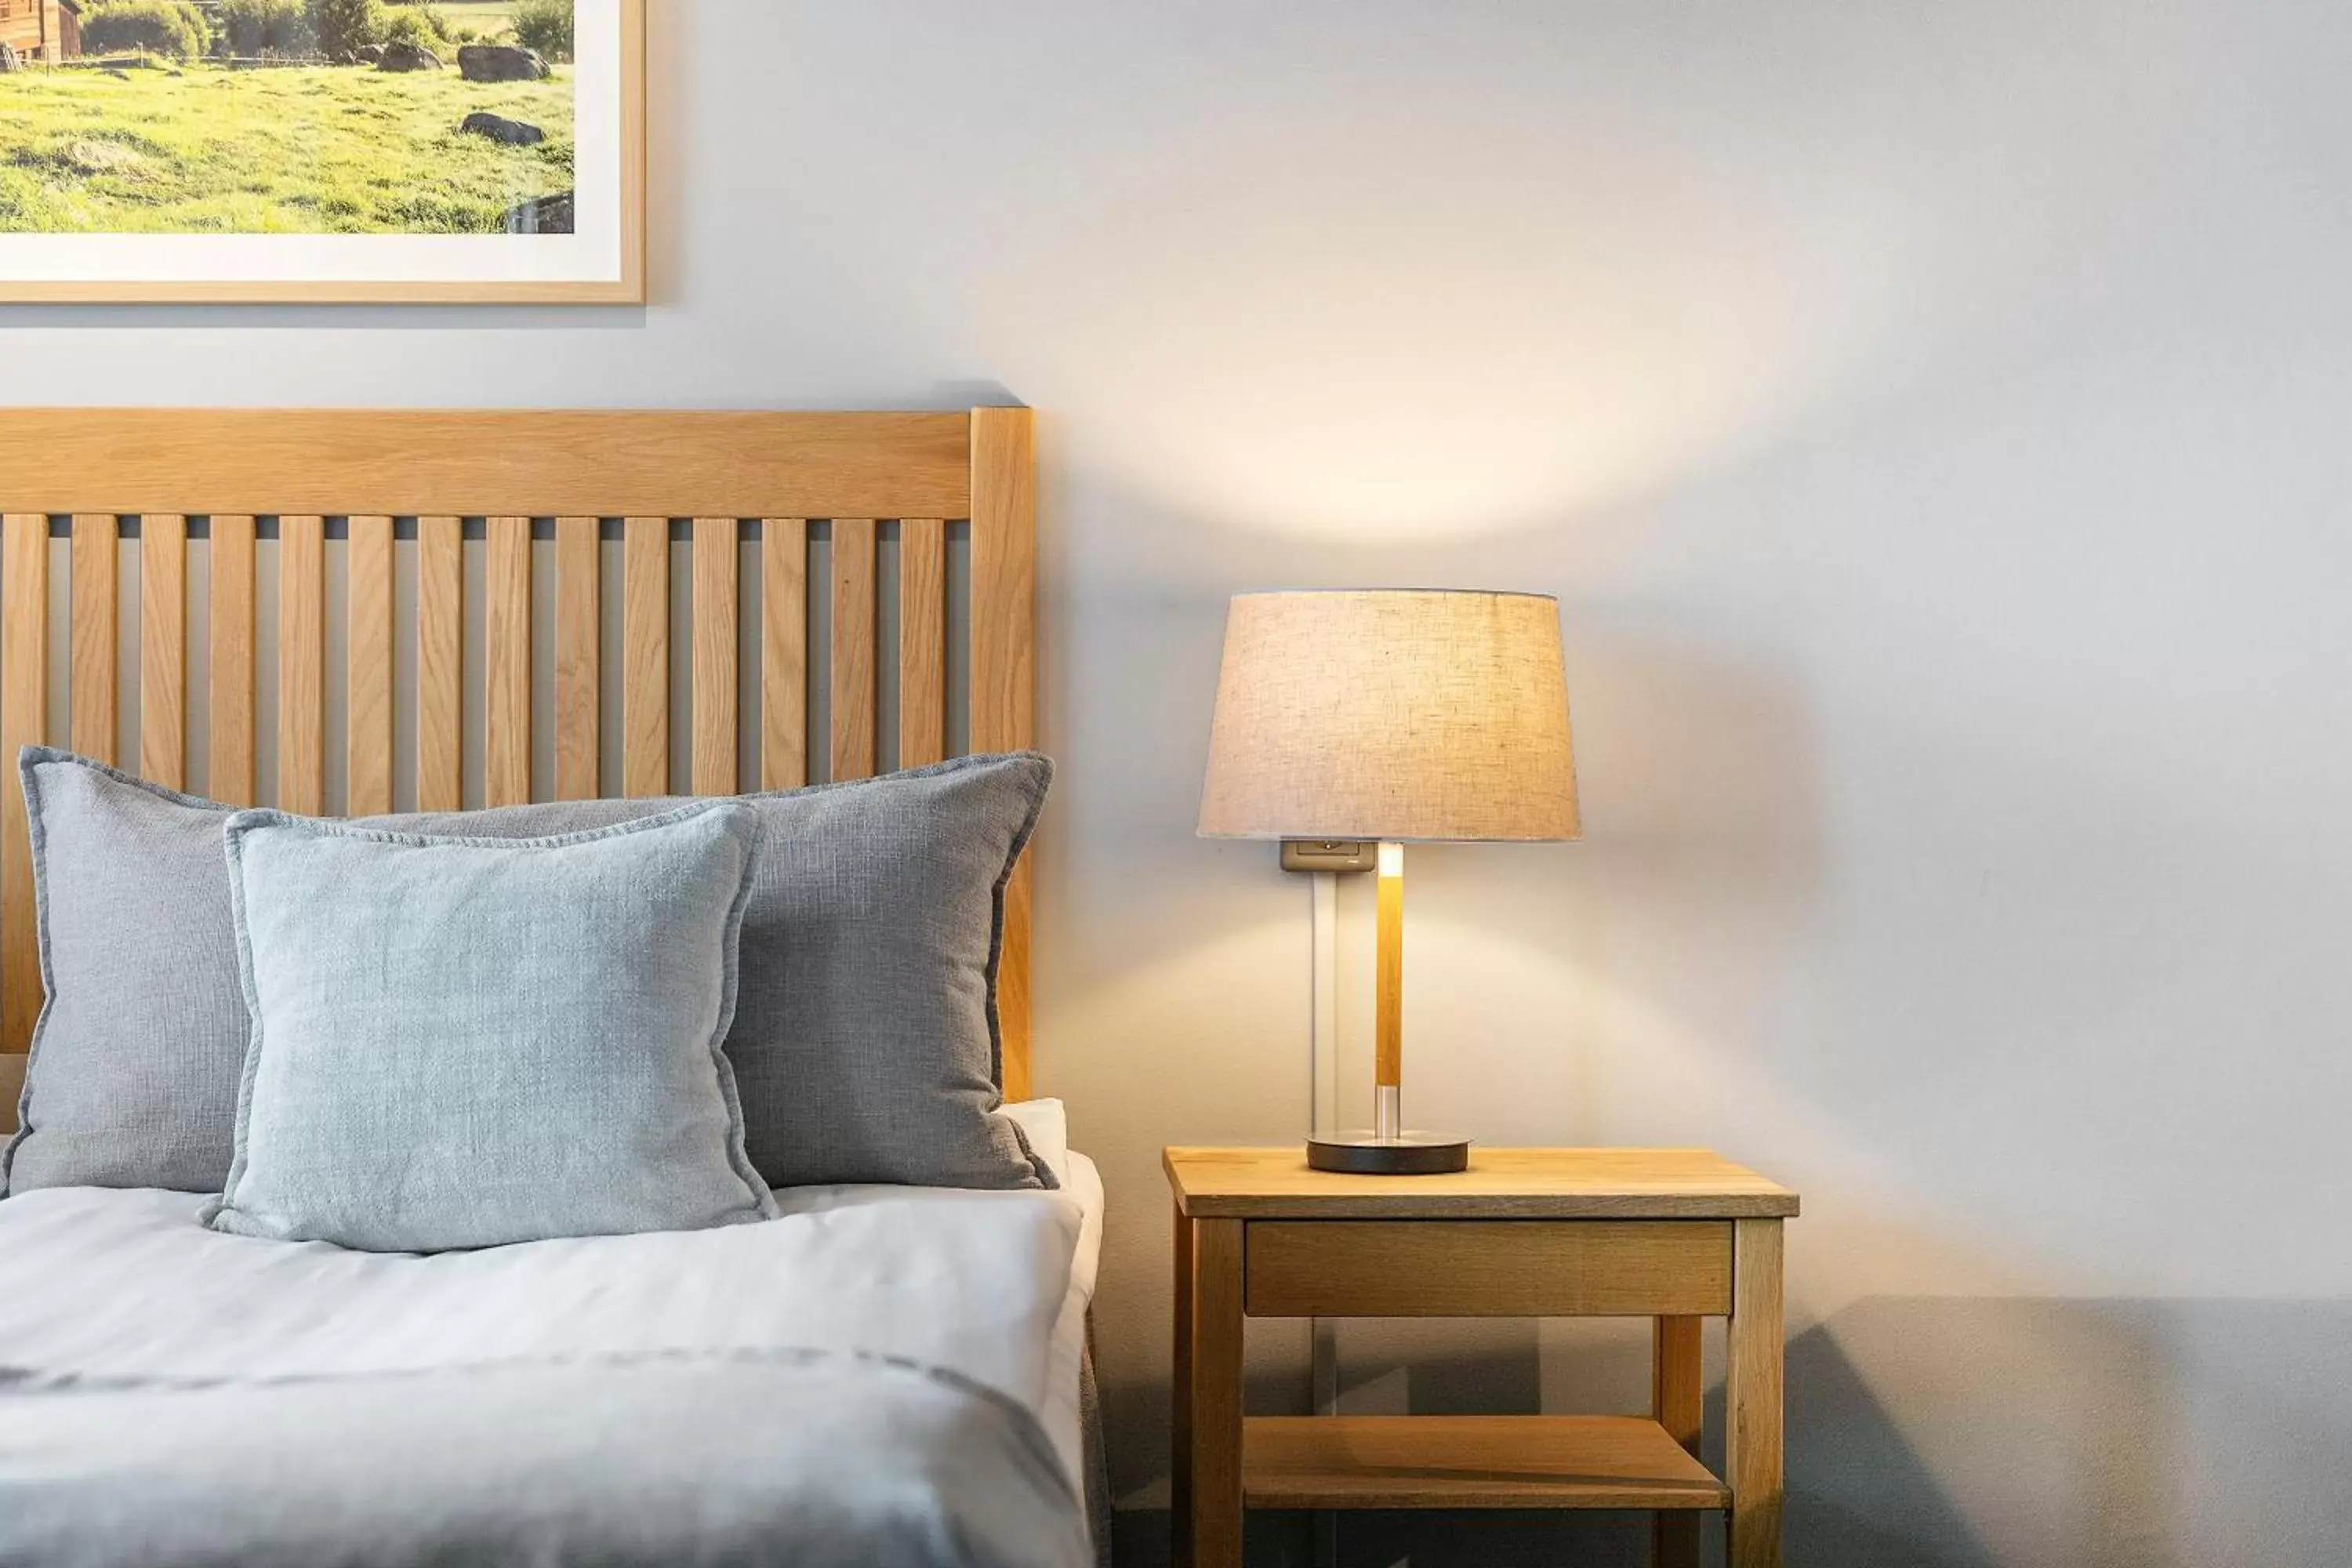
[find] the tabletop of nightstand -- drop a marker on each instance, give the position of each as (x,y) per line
(1501,1183)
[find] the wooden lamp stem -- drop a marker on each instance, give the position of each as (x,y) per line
(1388,1065)
(1388,1150)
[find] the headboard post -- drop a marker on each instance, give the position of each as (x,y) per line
(605,494)
(1005,669)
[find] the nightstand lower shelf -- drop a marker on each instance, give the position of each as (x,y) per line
(1470,1462)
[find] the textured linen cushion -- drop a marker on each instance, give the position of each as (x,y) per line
(133,1081)
(865,1046)
(461,1042)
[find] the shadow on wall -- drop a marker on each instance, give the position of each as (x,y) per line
(1858,1493)
(2086,1433)
(2083,1433)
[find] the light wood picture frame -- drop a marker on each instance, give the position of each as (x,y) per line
(460,187)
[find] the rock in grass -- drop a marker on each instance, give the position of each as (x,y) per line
(102,158)
(542,215)
(509,133)
(400,56)
(369,54)
(500,62)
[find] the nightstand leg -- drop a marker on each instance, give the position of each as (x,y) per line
(1180,1418)
(1675,1400)
(1208,1496)
(1752,1396)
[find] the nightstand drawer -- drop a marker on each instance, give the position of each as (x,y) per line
(1488,1269)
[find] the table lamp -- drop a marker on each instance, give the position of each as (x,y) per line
(1391,716)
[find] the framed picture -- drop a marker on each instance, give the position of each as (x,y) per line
(483,150)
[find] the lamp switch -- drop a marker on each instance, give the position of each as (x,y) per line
(1340,855)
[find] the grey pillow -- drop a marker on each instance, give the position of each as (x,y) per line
(463,1042)
(133,1081)
(865,1046)
(866,1043)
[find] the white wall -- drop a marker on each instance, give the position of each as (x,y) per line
(1933,420)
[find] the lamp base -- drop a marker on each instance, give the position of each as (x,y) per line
(1355,1153)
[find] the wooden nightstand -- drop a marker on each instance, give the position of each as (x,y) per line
(1673,1234)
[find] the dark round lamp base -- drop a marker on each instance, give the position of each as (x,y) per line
(1406,1154)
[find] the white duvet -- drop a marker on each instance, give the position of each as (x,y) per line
(99,1286)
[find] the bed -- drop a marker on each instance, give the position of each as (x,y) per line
(882,1372)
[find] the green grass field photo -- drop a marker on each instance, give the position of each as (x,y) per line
(153,142)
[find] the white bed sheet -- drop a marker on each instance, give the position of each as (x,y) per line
(1060,1408)
(1061,1413)
(104,1285)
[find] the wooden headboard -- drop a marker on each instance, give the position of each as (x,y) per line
(589,503)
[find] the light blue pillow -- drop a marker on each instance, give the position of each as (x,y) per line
(462,1042)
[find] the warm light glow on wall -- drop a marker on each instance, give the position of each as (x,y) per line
(1479,344)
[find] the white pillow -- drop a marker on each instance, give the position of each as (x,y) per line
(1046,1124)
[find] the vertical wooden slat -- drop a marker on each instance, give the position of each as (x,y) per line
(1751,1395)
(923,642)
(96,673)
(368,699)
(24,721)
(12,1087)
(440,664)
(506,757)
(852,648)
(644,656)
(164,650)
(715,654)
(302,664)
(229,662)
(783,653)
(579,735)
(1003,672)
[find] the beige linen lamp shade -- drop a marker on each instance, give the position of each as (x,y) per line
(1392,715)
